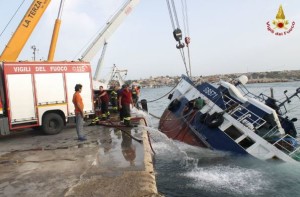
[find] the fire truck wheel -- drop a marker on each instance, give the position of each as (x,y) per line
(52,124)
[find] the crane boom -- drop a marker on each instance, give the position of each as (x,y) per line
(18,40)
(55,33)
(100,62)
(110,27)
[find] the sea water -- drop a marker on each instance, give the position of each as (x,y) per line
(183,170)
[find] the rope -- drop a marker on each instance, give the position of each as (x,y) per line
(187,18)
(150,143)
(155,116)
(183,8)
(12,18)
(171,15)
(163,95)
(184,62)
(175,14)
(189,58)
(187,33)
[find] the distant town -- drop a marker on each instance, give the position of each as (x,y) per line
(254,77)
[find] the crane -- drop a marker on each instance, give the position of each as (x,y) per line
(55,33)
(103,36)
(16,43)
(114,74)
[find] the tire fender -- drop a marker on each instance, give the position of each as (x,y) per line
(215,120)
(174,105)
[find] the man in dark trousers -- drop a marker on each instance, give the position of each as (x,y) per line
(103,96)
(78,104)
(118,96)
(114,98)
(125,99)
(134,94)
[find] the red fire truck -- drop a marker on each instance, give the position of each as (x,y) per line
(39,94)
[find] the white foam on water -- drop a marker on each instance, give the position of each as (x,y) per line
(187,155)
(228,179)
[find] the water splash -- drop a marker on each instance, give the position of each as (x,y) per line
(168,147)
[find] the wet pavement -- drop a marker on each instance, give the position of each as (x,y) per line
(109,163)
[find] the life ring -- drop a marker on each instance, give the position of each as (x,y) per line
(174,105)
(214,120)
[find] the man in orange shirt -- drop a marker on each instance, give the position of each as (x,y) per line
(77,101)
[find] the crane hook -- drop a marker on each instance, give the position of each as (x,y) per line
(180,45)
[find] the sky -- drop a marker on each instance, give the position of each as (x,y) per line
(226,36)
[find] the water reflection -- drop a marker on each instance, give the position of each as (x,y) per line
(128,149)
(106,139)
(117,149)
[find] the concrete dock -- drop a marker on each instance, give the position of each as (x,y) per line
(110,163)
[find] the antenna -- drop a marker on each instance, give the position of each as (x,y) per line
(33,47)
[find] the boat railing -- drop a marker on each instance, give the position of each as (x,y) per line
(242,114)
(289,145)
(272,132)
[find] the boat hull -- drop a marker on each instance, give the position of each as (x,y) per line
(177,129)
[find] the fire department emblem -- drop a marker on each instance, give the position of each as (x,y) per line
(280,26)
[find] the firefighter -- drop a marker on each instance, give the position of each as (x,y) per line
(125,99)
(118,96)
(104,98)
(114,99)
(134,94)
(138,92)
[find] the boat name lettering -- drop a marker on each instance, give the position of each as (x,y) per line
(58,68)
(22,69)
(210,92)
(32,13)
(78,68)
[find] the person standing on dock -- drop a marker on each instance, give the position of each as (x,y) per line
(125,99)
(118,96)
(138,93)
(103,96)
(78,104)
(114,98)
(134,94)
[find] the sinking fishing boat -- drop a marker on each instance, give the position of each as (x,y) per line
(228,117)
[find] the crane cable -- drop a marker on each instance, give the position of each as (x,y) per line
(177,33)
(12,17)
(187,39)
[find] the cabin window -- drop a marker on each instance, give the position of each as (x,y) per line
(233,132)
(246,143)
(269,128)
